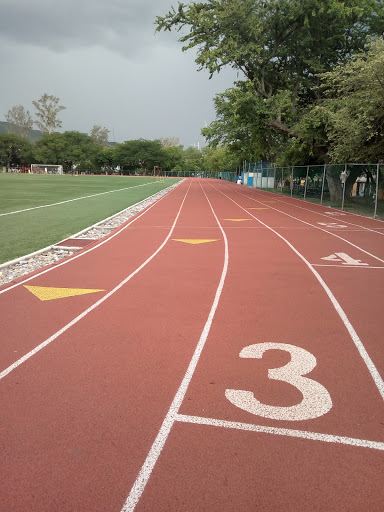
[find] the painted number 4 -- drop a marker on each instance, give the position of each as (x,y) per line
(344,258)
(316,400)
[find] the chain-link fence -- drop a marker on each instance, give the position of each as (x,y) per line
(358,188)
(223,175)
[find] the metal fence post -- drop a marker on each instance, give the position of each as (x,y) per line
(344,180)
(281,180)
(322,185)
(291,181)
(306,181)
(377,189)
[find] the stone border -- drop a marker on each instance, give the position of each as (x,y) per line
(52,254)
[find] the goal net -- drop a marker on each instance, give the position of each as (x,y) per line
(46,169)
(158,173)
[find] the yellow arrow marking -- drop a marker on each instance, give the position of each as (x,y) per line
(238,220)
(195,241)
(49,293)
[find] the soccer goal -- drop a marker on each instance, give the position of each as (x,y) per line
(46,169)
(158,173)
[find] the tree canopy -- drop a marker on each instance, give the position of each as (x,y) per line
(70,149)
(100,135)
(47,110)
(280,47)
(19,121)
(355,107)
(14,150)
(139,154)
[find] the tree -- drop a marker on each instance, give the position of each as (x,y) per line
(193,160)
(47,110)
(71,149)
(355,105)
(50,149)
(173,158)
(19,121)
(167,142)
(14,150)
(100,135)
(353,113)
(219,158)
(280,47)
(106,159)
(139,154)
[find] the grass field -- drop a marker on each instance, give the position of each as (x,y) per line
(27,231)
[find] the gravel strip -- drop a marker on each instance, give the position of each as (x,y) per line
(30,263)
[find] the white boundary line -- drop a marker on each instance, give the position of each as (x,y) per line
(162,436)
(344,266)
(76,199)
(86,251)
(305,222)
(303,434)
(343,317)
(76,235)
(343,212)
(96,304)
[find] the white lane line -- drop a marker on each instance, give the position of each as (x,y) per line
(333,213)
(83,253)
(75,199)
(309,224)
(344,266)
(353,334)
(314,436)
(162,436)
(95,305)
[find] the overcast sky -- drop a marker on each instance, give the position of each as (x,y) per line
(107,66)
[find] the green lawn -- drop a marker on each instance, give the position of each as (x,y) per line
(26,232)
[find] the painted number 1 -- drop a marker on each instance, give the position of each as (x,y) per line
(316,399)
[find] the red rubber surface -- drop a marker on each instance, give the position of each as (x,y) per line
(80,416)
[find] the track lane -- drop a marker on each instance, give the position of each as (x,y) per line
(79,418)
(275,309)
(223,471)
(356,234)
(357,286)
(103,267)
(353,219)
(83,415)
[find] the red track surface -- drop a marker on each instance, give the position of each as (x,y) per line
(136,400)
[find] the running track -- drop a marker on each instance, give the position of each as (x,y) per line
(240,374)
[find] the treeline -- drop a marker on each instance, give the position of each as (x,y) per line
(81,152)
(311,77)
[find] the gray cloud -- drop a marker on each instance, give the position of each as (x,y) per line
(102,59)
(126,26)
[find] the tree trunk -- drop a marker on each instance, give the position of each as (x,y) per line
(334,185)
(353,175)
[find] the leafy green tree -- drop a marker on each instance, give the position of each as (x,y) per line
(71,149)
(219,158)
(100,135)
(173,158)
(106,159)
(280,47)
(19,121)
(47,110)
(167,142)
(193,160)
(50,149)
(140,155)
(14,150)
(355,104)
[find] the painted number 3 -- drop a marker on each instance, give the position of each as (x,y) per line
(316,399)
